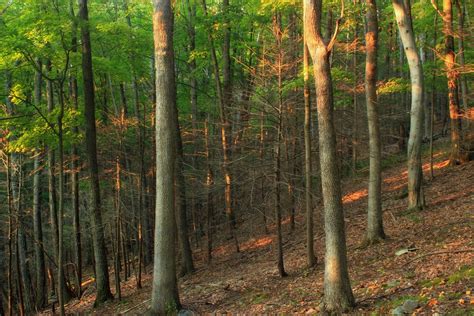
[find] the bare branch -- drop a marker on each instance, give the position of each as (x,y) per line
(336,30)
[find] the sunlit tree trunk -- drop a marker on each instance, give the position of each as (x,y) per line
(374,219)
(338,295)
(452,75)
(164,296)
(415,175)
(461,11)
(100,250)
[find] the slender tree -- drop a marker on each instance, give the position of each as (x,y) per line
(415,176)
(311,258)
(37,222)
(452,75)
(375,230)
(164,296)
(100,251)
(75,164)
(338,295)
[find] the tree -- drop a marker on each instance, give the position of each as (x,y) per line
(311,258)
(452,75)
(41,288)
(337,289)
(100,251)
(164,296)
(415,176)
(374,220)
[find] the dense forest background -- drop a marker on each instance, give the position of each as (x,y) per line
(79,147)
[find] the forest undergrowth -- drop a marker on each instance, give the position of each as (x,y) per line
(428,257)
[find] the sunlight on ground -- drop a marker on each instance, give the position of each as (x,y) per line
(354,196)
(256,243)
(436,166)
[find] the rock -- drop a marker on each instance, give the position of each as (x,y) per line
(398,311)
(406,309)
(185,312)
(409,306)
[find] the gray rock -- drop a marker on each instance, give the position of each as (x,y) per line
(398,311)
(409,306)
(406,309)
(185,312)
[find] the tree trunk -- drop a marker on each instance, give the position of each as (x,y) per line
(209,188)
(100,250)
(415,175)
(181,216)
(337,289)
(10,239)
(225,141)
(164,296)
(62,295)
(311,257)
(75,169)
(452,75)
(463,79)
(375,230)
(41,286)
(279,246)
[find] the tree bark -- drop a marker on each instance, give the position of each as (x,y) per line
(310,256)
(375,229)
(415,175)
(164,296)
(279,238)
(100,251)
(75,168)
(452,76)
(338,295)
(181,216)
(41,286)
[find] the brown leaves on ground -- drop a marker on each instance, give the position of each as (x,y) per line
(248,282)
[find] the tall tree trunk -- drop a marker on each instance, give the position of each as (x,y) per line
(16,179)
(41,286)
(164,296)
(279,246)
(461,8)
(225,141)
(355,127)
(375,230)
(338,295)
(10,238)
(415,175)
(75,168)
(61,287)
(452,75)
(181,215)
(209,188)
(100,251)
(310,256)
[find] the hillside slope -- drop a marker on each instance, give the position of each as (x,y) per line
(438,273)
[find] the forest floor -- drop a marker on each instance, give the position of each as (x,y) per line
(436,272)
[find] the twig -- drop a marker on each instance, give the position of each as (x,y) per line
(439,253)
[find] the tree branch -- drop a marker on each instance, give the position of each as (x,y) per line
(336,30)
(435,6)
